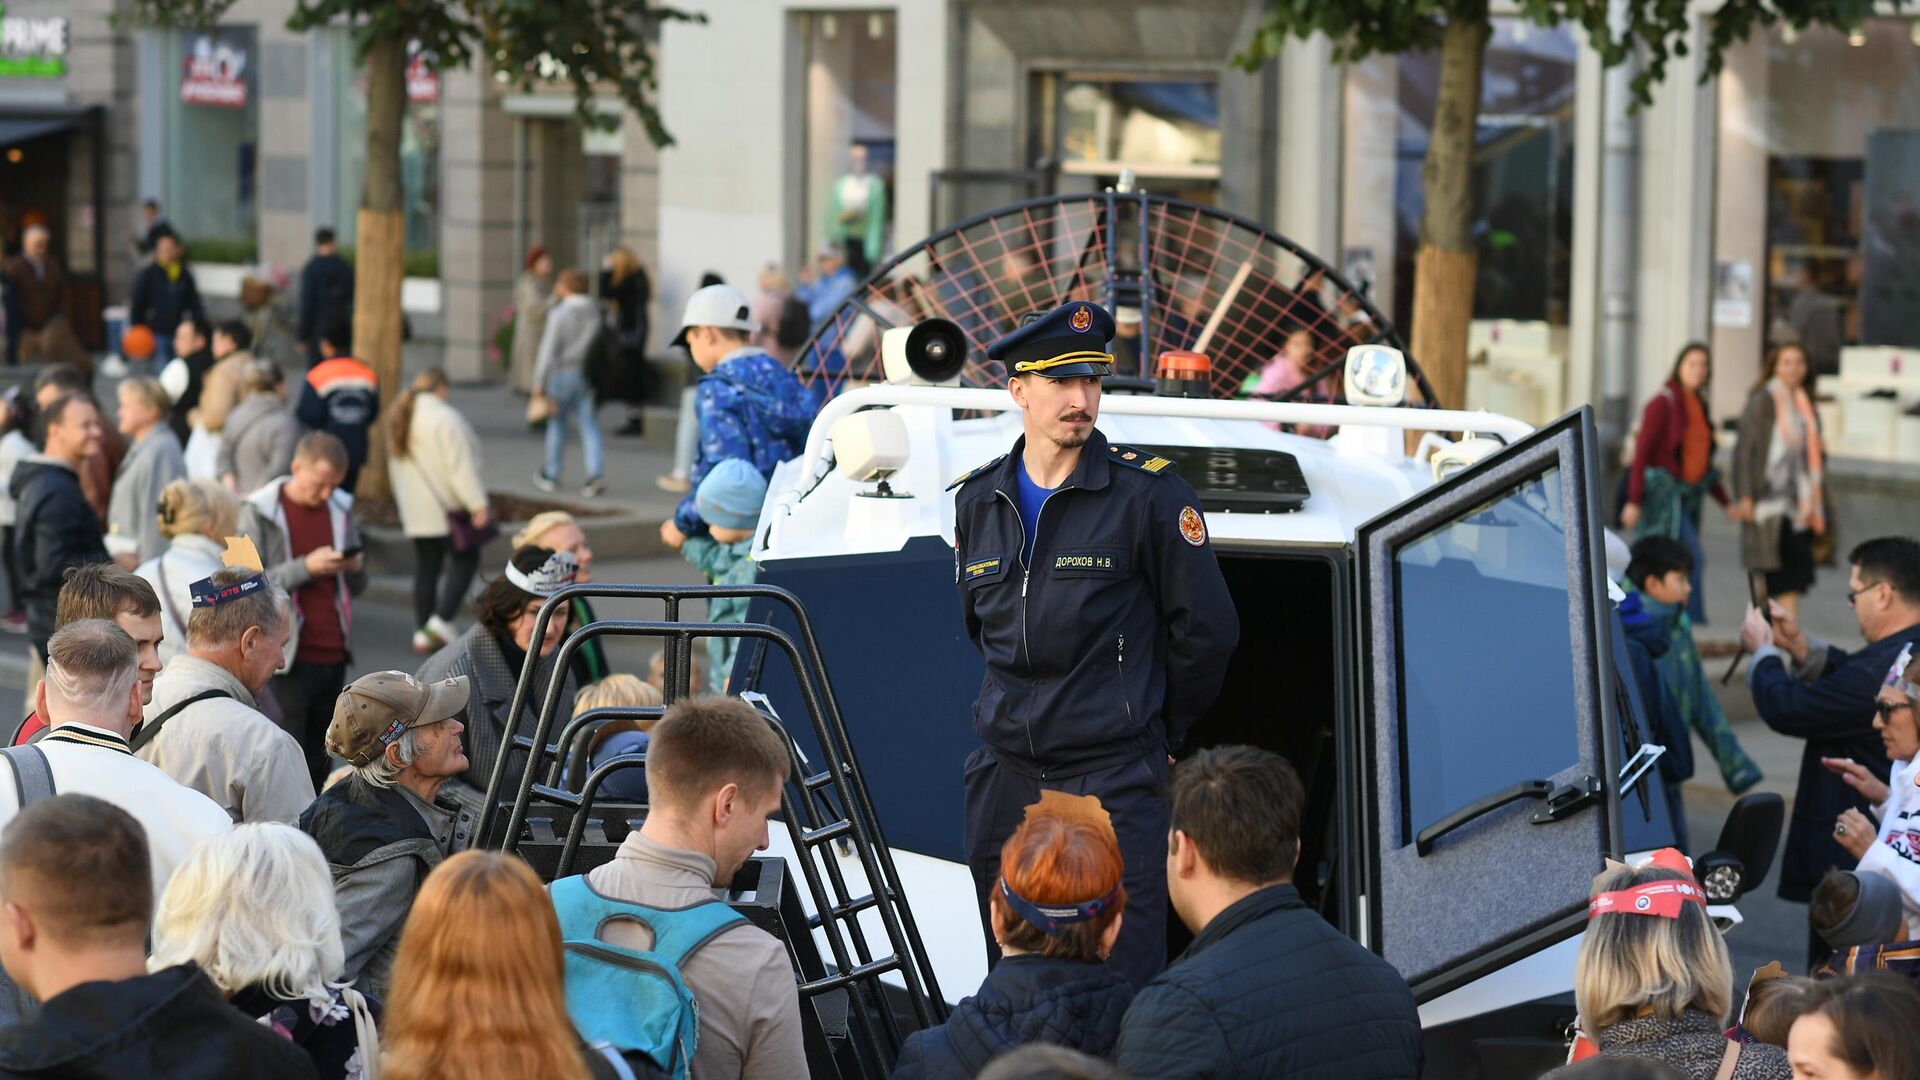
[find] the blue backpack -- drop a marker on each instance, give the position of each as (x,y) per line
(635,1001)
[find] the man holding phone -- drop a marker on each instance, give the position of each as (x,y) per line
(303,525)
(1809,689)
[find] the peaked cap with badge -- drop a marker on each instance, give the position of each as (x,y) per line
(1070,342)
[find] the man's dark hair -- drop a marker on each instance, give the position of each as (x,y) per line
(1892,559)
(1656,557)
(1833,900)
(150,204)
(1874,1015)
(80,866)
(102,590)
(339,336)
(56,412)
(202,328)
(574,280)
(238,332)
(65,376)
(322,236)
(1241,807)
(324,447)
(704,743)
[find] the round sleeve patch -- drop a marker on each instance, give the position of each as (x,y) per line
(1193,528)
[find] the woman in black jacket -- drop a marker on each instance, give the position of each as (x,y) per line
(1056,912)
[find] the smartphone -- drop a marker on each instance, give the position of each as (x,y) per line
(352,551)
(1757,587)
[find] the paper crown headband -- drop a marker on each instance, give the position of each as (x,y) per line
(242,554)
(1050,918)
(1897,674)
(1664,899)
(550,577)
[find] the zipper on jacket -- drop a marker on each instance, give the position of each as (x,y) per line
(1120,662)
(1026,578)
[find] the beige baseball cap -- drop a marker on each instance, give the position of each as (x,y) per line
(376,709)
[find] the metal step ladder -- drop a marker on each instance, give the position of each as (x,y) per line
(549,812)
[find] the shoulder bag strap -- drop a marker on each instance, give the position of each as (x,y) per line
(32,775)
(365,1031)
(149,731)
(1729,1058)
(166,597)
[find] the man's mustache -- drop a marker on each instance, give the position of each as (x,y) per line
(1075,416)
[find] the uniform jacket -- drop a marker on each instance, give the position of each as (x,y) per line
(1695,1044)
(326,295)
(1828,701)
(1270,989)
(263,518)
(441,471)
(1117,639)
(341,397)
(1895,853)
(258,441)
(57,529)
(170,1025)
(224,748)
(161,300)
(749,407)
(133,518)
(1025,999)
(380,844)
(477,655)
(190,557)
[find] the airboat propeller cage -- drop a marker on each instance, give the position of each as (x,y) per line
(932,352)
(870,445)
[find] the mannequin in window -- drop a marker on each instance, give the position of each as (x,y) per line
(857,213)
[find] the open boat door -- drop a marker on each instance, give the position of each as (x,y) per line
(1487,753)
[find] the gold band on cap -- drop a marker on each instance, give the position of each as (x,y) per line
(1025,366)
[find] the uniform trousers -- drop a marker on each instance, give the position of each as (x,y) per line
(1135,796)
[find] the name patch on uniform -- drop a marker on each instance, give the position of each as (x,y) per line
(981,568)
(1084,560)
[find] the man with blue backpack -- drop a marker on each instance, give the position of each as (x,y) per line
(657,964)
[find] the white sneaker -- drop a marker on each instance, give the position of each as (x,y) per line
(545,483)
(441,629)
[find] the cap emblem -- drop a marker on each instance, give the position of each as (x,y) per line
(1081,319)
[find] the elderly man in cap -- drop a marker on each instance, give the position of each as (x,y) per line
(204,727)
(1089,587)
(383,828)
(748,404)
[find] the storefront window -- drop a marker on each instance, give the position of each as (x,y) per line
(213,125)
(1165,129)
(1522,176)
(850,98)
(419,161)
(1818,174)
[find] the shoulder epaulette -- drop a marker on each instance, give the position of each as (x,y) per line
(1140,459)
(976,471)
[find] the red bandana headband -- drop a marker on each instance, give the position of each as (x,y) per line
(1664,899)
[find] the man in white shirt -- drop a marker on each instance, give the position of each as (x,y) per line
(91,697)
(203,727)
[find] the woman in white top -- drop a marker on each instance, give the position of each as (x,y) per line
(433,458)
(196,517)
(1893,848)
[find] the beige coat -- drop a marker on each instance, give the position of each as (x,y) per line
(224,748)
(224,386)
(532,299)
(441,471)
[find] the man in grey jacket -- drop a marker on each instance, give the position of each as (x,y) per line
(560,375)
(382,829)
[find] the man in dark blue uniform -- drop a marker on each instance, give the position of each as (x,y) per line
(1092,594)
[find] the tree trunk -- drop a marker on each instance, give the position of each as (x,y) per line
(382,243)
(1443,277)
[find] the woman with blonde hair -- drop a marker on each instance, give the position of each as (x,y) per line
(254,909)
(557,530)
(1653,978)
(196,517)
(434,461)
(620,737)
(625,288)
(479,985)
(154,459)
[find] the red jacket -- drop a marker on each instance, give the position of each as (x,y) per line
(1663,427)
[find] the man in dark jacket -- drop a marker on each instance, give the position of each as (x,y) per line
(58,528)
(342,398)
(75,880)
(326,293)
(1267,988)
(1088,584)
(164,293)
(1811,690)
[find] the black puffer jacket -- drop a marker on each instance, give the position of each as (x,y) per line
(1270,989)
(1026,999)
(57,530)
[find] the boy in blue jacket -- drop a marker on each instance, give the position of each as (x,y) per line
(729,501)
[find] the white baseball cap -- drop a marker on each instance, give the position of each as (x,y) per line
(716,305)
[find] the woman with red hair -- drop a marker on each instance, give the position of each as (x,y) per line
(1056,912)
(479,986)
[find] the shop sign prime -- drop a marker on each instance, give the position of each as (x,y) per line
(32,46)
